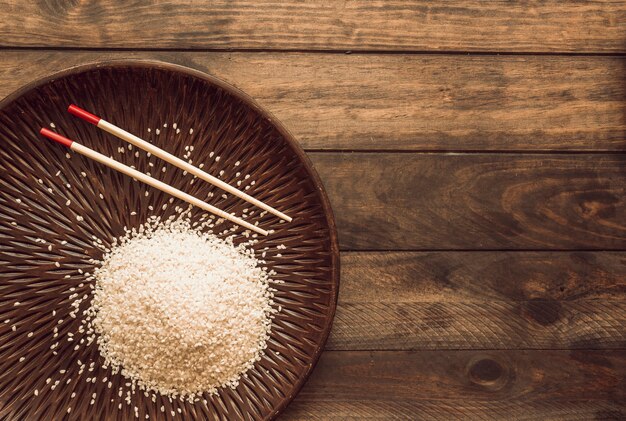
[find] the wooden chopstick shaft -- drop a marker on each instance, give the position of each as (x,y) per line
(174,160)
(138,175)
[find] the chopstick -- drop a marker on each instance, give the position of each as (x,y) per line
(138,175)
(168,157)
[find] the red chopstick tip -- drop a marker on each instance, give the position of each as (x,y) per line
(85,115)
(56,137)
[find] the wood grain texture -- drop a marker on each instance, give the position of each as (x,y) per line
(528,375)
(387,201)
(481,277)
(481,300)
(356,410)
(405,102)
(464,384)
(535,324)
(399,25)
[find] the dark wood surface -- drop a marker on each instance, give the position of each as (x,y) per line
(402,102)
(399,25)
(474,156)
(481,300)
(500,385)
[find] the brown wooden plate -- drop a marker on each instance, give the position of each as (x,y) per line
(34,179)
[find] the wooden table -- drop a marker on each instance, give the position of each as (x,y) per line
(474,153)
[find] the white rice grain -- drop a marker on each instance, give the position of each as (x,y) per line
(178,311)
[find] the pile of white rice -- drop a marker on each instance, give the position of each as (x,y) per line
(178,311)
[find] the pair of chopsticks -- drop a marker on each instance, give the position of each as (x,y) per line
(166,156)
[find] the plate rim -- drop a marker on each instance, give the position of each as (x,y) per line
(284,132)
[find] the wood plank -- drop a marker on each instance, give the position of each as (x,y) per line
(484,300)
(399,25)
(535,324)
(357,410)
(464,384)
(400,201)
(481,277)
(528,375)
(405,102)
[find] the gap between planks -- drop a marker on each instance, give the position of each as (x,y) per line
(313,51)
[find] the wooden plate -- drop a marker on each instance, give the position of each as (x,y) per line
(34,178)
